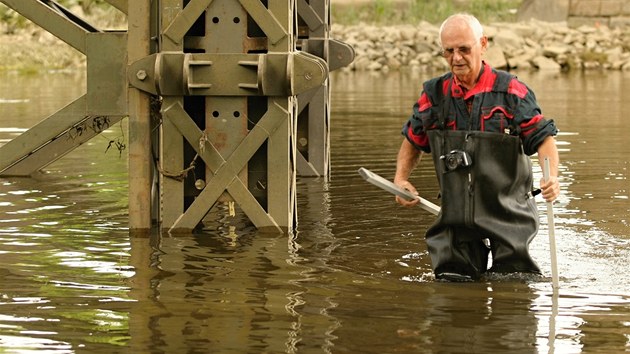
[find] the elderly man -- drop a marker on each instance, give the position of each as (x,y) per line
(480,125)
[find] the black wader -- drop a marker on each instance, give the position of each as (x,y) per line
(489,198)
(485,183)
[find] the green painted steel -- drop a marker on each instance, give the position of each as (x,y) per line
(141,171)
(237,91)
(313,125)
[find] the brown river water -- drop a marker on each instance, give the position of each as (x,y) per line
(354,278)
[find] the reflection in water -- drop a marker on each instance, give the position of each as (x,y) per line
(354,278)
(225,292)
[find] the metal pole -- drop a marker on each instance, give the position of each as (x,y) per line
(139,122)
(551,227)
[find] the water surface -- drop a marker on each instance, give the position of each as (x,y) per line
(354,278)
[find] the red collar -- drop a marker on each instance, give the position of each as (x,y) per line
(484,83)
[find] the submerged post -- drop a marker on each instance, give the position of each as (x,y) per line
(140,160)
(227,73)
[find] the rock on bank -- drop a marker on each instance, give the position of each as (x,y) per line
(532,45)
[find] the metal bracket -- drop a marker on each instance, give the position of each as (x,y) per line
(338,54)
(186,74)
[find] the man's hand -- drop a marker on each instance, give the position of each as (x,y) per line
(408,186)
(550,189)
(408,157)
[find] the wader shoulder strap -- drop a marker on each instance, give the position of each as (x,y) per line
(445,101)
(502,82)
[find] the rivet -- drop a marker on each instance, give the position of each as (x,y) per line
(200,184)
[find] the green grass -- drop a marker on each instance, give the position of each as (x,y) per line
(389,12)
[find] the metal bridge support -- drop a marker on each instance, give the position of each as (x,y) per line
(240,108)
(313,125)
(140,153)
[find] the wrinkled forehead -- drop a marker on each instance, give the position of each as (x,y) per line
(457,33)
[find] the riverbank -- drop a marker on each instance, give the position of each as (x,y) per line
(31,51)
(532,45)
(26,48)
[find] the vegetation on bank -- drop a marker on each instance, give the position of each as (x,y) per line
(26,48)
(12,21)
(97,10)
(389,12)
(383,12)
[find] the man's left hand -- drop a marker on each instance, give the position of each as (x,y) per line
(550,189)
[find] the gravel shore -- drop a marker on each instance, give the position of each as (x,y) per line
(532,45)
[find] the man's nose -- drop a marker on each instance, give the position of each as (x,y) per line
(457,55)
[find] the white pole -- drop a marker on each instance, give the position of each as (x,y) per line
(552,236)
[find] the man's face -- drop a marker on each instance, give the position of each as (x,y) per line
(463,51)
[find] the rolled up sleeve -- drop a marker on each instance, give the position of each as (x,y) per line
(413,129)
(534,127)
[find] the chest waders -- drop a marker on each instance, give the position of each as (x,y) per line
(485,179)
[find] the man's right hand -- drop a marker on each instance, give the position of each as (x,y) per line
(408,157)
(408,186)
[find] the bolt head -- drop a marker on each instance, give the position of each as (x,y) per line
(141,75)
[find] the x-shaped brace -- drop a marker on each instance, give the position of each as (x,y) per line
(185,19)
(225,172)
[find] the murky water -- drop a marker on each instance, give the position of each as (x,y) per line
(354,278)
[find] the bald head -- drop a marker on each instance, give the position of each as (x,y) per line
(463,45)
(462,22)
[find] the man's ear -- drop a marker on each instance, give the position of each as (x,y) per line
(484,43)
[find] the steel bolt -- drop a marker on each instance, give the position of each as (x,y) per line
(200,184)
(141,75)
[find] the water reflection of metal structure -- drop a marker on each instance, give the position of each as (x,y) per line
(229,98)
